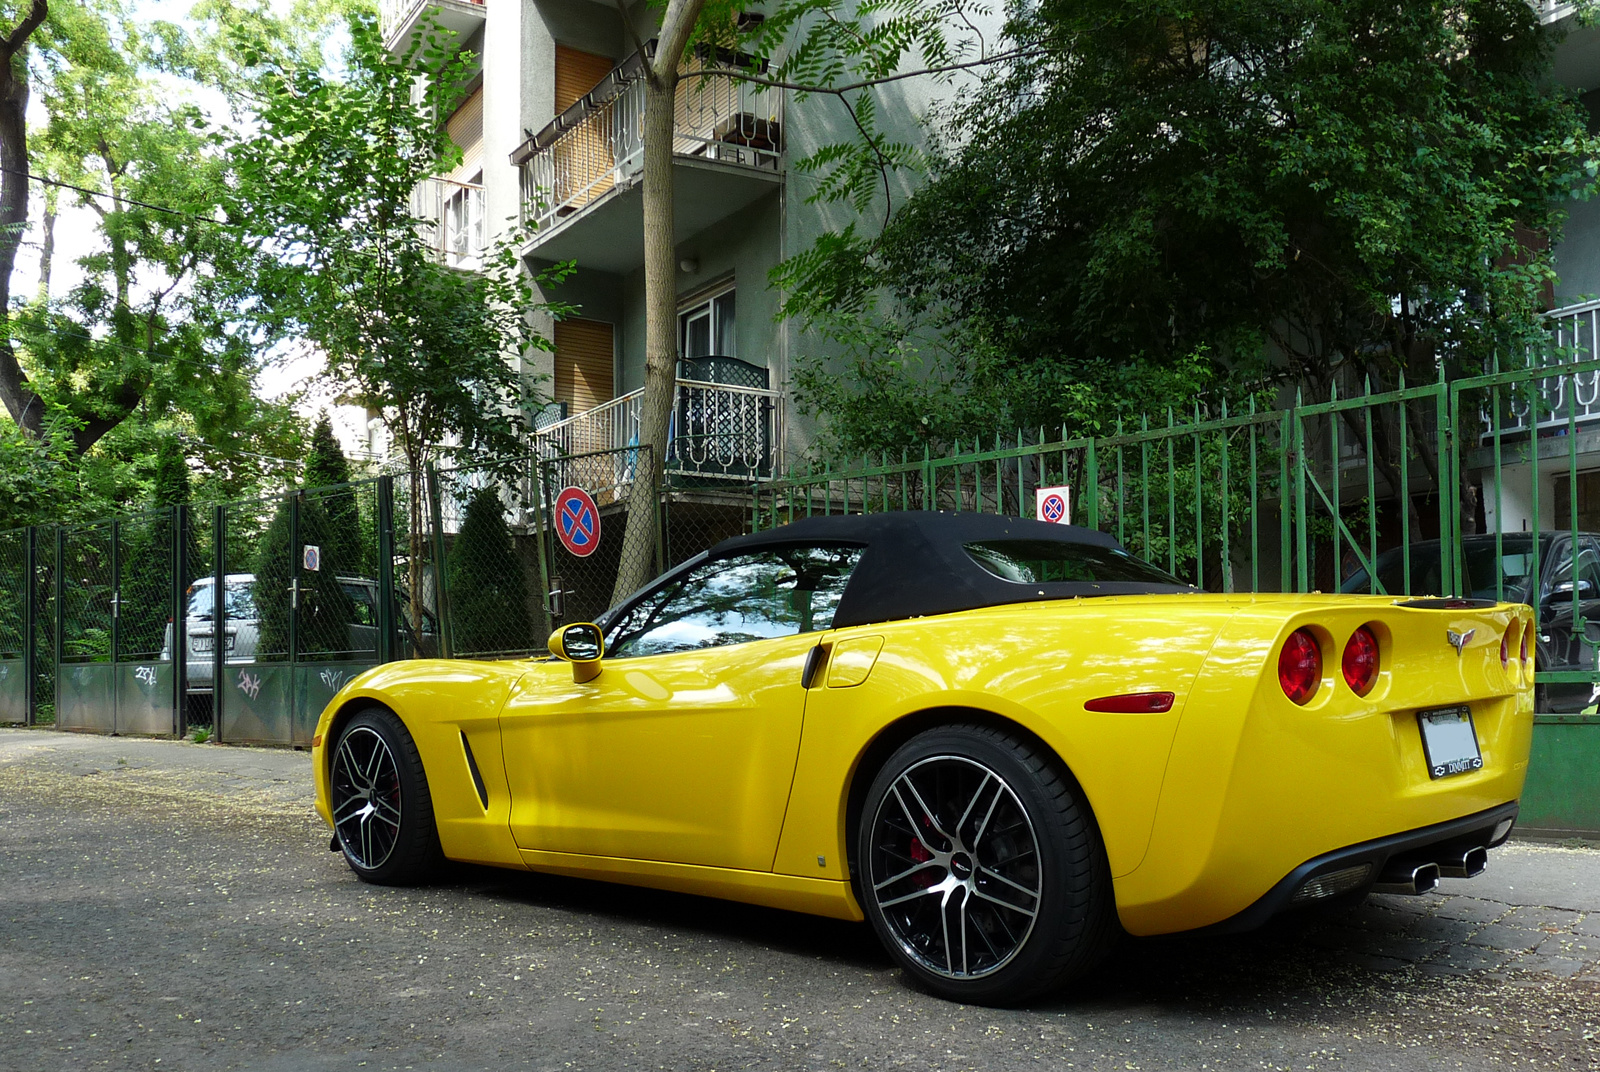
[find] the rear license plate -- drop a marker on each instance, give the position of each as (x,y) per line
(200,643)
(1449,741)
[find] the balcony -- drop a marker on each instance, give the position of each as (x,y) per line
(451,215)
(720,433)
(398,20)
(1575,333)
(581,174)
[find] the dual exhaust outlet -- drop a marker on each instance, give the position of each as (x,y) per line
(1412,876)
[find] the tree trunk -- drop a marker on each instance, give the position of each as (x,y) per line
(660,336)
(24,406)
(47,245)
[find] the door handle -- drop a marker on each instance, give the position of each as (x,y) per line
(816,659)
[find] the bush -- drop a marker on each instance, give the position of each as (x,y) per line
(488,596)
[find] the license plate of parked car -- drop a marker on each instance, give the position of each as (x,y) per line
(1449,740)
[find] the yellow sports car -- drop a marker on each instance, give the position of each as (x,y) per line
(998,740)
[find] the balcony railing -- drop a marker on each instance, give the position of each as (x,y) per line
(598,143)
(395,13)
(1574,336)
(452,221)
(719,432)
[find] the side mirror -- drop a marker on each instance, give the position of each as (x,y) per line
(1586,590)
(582,645)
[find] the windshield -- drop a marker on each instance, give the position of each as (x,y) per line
(1477,561)
(240,606)
(1044,561)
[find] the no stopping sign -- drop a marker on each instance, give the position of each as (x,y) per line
(577,522)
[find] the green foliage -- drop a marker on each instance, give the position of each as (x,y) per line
(325,611)
(327,467)
(488,595)
(1151,201)
(325,180)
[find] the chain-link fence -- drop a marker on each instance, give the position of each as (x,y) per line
(243,619)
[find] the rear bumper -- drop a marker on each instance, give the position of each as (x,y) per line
(1422,844)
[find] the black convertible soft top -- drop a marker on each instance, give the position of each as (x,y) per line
(915,562)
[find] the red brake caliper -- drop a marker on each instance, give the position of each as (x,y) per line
(919,853)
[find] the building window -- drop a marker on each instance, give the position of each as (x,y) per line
(706,327)
(463,223)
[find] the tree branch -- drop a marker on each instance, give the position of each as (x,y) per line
(24,29)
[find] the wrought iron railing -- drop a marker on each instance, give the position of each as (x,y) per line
(1574,331)
(598,143)
(718,432)
(392,13)
(452,215)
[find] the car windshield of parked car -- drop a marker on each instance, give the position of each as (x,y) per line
(241,607)
(756,596)
(1044,561)
(1477,560)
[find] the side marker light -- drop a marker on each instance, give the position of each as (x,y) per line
(1133,703)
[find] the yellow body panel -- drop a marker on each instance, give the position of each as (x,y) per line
(683,758)
(714,772)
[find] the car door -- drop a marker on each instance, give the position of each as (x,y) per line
(683,749)
(1563,645)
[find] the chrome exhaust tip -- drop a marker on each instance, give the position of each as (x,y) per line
(1409,879)
(1468,864)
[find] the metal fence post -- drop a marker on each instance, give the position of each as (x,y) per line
(542,542)
(61,612)
(294,580)
(30,630)
(116,615)
(387,645)
(180,619)
(436,516)
(219,615)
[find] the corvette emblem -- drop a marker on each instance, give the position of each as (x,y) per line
(1459,640)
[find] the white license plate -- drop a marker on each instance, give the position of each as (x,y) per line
(1449,741)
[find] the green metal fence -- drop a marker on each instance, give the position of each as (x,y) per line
(1442,488)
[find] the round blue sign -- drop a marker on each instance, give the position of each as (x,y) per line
(577,522)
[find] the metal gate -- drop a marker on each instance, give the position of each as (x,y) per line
(15,675)
(116,606)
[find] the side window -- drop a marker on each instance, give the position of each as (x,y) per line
(756,596)
(362,612)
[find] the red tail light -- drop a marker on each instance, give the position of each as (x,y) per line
(1505,651)
(1525,633)
(1360,661)
(1300,666)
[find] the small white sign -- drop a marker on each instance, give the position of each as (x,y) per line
(1053,505)
(311,558)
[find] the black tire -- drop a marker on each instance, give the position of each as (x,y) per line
(1010,856)
(383,813)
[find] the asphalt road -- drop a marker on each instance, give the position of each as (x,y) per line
(166,905)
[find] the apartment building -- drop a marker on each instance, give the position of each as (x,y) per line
(551,138)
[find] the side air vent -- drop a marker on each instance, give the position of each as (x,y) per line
(477,778)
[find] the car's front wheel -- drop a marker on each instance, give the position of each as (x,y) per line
(382,811)
(981,867)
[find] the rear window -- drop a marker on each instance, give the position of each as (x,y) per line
(241,607)
(1046,561)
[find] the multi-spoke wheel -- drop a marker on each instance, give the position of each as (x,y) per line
(382,811)
(980,867)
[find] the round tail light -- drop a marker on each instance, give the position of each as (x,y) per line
(1360,661)
(1525,633)
(1505,651)
(1300,666)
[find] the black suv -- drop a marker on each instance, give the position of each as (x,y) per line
(1563,645)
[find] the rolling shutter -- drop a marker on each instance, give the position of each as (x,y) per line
(576,74)
(465,128)
(584,359)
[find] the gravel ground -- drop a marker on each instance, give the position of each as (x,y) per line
(165,905)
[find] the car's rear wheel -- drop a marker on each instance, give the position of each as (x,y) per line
(382,811)
(981,868)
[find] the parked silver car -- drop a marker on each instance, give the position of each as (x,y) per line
(241,627)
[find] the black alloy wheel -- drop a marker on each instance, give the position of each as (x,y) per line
(981,868)
(382,811)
